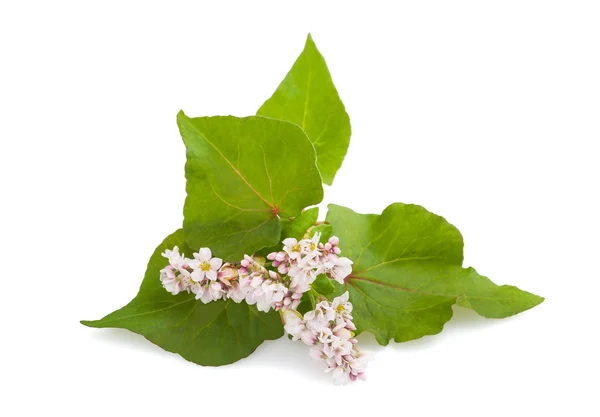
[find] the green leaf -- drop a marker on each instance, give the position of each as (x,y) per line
(308,98)
(307,302)
(214,334)
(243,175)
(323,285)
(298,226)
(325,229)
(408,273)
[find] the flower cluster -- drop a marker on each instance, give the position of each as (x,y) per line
(298,266)
(210,279)
(198,275)
(264,288)
(330,331)
(304,260)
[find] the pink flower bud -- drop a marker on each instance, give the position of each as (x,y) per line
(343,333)
(290,317)
(227,273)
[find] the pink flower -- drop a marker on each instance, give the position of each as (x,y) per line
(340,269)
(204,265)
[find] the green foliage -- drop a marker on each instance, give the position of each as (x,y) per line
(408,273)
(249,183)
(325,230)
(307,302)
(243,175)
(323,285)
(308,98)
(216,333)
(298,226)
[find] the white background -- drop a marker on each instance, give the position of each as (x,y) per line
(484,112)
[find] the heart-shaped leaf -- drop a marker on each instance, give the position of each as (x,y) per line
(308,98)
(408,273)
(217,333)
(243,174)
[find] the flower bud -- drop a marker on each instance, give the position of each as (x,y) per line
(290,316)
(343,333)
(227,273)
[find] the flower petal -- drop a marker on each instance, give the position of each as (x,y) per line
(212,275)
(215,263)
(204,254)
(197,275)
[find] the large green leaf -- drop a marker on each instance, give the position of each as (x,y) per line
(215,334)
(408,273)
(243,174)
(308,98)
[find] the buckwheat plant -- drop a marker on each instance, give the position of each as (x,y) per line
(265,266)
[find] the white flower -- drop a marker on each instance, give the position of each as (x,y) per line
(175,259)
(359,364)
(204,265)
(316,352)
(322,312)
(310,247)
(171,279)
(341,268)
(329,329)
(175,277)
(292,323)
(341,375)
(341,306)
(302,277)
(195,287)
(292,248)
(211,291)
(269,294)
(237,292)
(309,337)
(337,348)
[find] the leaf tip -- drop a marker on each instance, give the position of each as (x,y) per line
(538,300)
(181,115)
